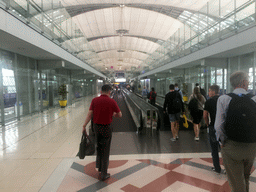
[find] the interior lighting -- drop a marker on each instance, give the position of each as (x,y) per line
(119,80)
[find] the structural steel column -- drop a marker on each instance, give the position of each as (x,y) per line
(223,79)
(29,88)
(41,91)
(16,76)
(228,75)
(2,94)
(238,63)
(35,79)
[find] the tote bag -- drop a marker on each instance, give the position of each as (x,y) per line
(86,147)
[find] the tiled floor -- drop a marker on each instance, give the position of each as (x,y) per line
(38,153)
(155,174)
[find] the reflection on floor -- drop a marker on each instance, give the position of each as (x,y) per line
(38,153)
(135,175)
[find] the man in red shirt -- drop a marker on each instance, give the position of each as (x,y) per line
(102,109)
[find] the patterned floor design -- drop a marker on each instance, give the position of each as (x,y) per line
(139,175)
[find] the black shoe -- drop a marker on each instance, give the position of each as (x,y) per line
(216,170)
(104,177)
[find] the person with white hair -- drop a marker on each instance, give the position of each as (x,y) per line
(235,130)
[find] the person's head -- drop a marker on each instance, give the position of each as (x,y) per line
(171,87)
(153,89)
(144,87)
(197,84)
(214,90)
(196,91)
(176,86)
(106,90)
(239,79)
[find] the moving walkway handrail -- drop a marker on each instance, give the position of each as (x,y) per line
(150,113)
(135,110)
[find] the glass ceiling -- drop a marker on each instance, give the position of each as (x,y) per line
(131,34)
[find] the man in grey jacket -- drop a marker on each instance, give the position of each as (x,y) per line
(235,130)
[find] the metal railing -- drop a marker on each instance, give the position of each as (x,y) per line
(149,117)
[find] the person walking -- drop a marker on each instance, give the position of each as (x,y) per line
(103,108)
(210,112)
(196,111)
(144,93)
(176,87)
(174,105)
(235,130)
(202,91)
(152,96)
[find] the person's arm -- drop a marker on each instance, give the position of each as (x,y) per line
(206,117)
(87,120)
(117,112)
(220,120)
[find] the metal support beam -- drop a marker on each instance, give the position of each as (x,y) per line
(2,93)
(228,75)
(29,88)
(16,76)
(41,91)
(238,63)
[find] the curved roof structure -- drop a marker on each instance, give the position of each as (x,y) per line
(127,34)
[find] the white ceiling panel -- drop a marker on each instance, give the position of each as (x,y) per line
(139,22)
(191,4)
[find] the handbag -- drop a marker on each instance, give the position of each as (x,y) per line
(185,123)
(86,147)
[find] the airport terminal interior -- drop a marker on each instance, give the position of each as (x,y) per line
(55,55)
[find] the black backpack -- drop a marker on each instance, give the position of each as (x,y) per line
(193,105)
(240,124)
(176,103)
(153,95)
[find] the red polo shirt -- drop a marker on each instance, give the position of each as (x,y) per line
(103,108)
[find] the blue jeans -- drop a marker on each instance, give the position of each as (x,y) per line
(215,149)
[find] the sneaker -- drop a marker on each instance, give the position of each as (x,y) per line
(196,138)
(213,169)
(173,139)
(177,137)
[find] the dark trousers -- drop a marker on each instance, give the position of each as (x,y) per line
(153,102)
(103,136)
(215,149)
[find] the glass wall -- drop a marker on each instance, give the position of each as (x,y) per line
(29,86)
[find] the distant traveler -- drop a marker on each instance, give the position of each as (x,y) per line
(152,96)
(196,107)
(210,111)
(174,105)
(235,126)
(144,93)
(176,87)
(103,108)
